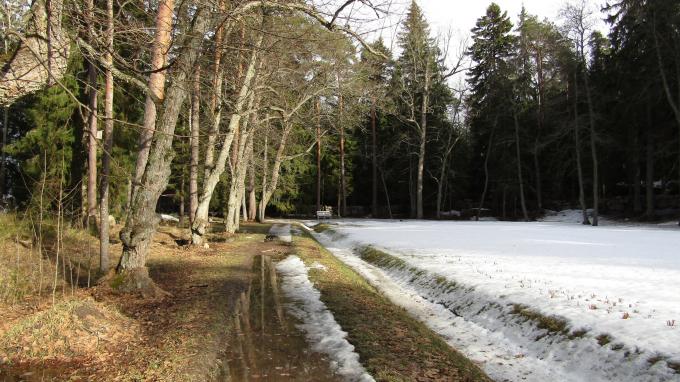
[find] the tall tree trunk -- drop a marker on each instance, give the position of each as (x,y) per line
(486,168)
(142,219)
(440,188)
(237,186)
(649,174)
(634,167)
(108,145)
(252,198)
(156,85)
(198,228)
(262,208)
(92,144)
(423,141)
(318,155)
(540,120)
(674,103)
(593,151)
(374,161)
(577,147)
(519,169)
(195,127)
(387,195)
(411,188)
(268,191)
(182,199)
(343,182)
(3,142)
(216,94)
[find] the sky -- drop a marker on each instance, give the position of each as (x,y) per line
(453,17)
(460,16)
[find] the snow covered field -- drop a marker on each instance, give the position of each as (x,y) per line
(488,288)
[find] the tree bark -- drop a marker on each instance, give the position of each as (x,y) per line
(423,141)
(108,145)
(387,196)
(486,169)
(577,147)
(440,187)
(318,155)
(195,123)
(240,167)
(237,188)
(541,117)
(374,161)
(343,183)
(519,170)
(156,85)
(198,228)
(3,143)
(593,151)
(216,94)
(252,198)
(268,191)
(92,143)
(142,219)
(262,207)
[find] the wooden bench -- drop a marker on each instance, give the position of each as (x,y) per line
(324,214)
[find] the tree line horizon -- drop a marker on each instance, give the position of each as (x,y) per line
(240,108)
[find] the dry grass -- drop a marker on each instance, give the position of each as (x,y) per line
(28,260)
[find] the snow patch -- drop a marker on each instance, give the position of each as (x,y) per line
(485,286)
(318,323)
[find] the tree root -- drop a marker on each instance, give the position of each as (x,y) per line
(134,280)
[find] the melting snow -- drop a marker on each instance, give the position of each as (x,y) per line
(318,323)
(617,288)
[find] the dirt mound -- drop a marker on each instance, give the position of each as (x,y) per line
(70,329)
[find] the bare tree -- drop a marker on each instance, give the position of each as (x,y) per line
(195,124)
(142,220)
(578,22)
(108,144)
(156,84)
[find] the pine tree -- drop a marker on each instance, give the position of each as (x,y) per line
(489,80)
(417,69)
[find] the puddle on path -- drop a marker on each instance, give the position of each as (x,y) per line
(266,345)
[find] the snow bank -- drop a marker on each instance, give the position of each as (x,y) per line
(485,286)
(321,329)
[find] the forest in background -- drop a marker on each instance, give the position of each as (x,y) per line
(239,108)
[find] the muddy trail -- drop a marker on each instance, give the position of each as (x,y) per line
(267,345)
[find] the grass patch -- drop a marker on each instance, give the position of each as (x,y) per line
(578,333)
(382,259)
(552,324)
(674,365)
(392,345)
(322,227)
(603,339)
